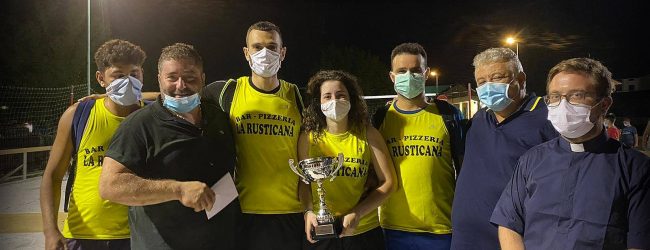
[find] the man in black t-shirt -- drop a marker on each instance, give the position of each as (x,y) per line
(164,158)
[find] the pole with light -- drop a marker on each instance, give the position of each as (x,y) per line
(435,74)
(510,40)
(88,61)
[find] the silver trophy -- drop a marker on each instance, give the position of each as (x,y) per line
(317,170)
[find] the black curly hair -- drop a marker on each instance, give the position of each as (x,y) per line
(313,117)
(118,51)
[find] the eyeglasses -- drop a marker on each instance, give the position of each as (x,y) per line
(575,98)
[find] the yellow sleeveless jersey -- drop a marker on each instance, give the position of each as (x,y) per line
(344,192)
(419,145)
(266,126)
(90,216)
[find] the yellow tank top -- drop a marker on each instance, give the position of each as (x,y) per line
(418,143)
(344,192)
(90,216)
(266,126)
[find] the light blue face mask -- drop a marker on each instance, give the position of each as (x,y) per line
(494,95)
(125,91)
(183,104)
(409,84)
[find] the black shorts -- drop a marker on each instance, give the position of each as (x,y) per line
(371,240)
(80,244)
(272,231)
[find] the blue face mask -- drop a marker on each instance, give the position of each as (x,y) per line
(409,84)
(494,95)
(183,104)
(125,91)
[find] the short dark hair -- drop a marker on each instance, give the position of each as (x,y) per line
(610,117)
(118,51)
(589,67)
(263,26)
(180,51)
(314,119)
(408,48)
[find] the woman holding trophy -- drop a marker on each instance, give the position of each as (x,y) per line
(335,124)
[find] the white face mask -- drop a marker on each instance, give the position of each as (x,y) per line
(125,91)
(265,63)
(336,109)
(570,120)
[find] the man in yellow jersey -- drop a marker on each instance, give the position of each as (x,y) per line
(92,222)
(265,118)
(164,158)
(421,144)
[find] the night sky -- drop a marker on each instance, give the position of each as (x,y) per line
(452,32)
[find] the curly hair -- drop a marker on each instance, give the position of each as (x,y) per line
(313,117)
(118,51)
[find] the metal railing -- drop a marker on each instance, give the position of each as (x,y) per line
(23,166)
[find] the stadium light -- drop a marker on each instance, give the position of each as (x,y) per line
(435,74)
(510,40)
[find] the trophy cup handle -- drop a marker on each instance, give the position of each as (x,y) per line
(295,170)
(339,161)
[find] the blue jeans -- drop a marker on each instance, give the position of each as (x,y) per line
(401,240)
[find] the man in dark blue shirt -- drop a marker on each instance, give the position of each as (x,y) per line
(629,136)
(582,190)
(512,123)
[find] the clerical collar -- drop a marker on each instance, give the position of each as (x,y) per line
(577,147)
(597,144)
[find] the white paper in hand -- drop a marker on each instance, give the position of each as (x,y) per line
(225,191)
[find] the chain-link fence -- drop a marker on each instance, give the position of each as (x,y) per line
(29,118)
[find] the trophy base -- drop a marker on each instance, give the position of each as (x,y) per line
(327,230)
